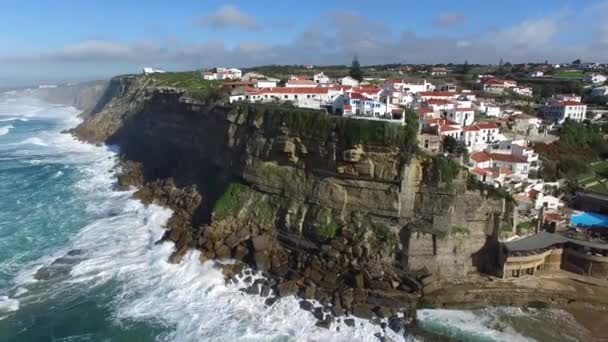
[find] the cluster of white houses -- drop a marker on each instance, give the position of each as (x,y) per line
(564,106)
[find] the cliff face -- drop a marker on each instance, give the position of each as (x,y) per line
(347,223)
(84,96)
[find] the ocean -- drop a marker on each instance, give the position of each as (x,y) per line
(79,262)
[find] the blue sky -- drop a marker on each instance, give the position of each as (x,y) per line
(69,40)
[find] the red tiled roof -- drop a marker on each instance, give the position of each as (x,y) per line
(509,158)
(480,157)
(438,101)
(480,171)
(424,110)
(486,125)
(448,128)
(533,193)
(569,103)
(358,96)
(437,93)
(299,90)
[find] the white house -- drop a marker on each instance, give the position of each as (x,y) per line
(537,74)
(448,87)
(349,81)
(148,71)
(477,137)
(440,105)
(559,111)
(358,105)
(525,124)
(208,75)
(518,167)
(441,95)
(312,97)
(230,73)
(439,71)
(496,86)
(320,78)
(486,108)
(412,86)
(568,97)
(264,83)
(523,91)
(442,127)
(595,78)
(463,116)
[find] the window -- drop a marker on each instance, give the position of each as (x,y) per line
(286,96)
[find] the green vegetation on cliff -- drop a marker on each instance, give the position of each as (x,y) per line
(230,200)
(316,124)
(193,83)
(439,169)
(325,223)
(238,197)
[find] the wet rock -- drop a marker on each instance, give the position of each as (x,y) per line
(382,311)
(306,305)
(396,324)
(324,324)
(309,292)
(359,281)
(240,252)
(265,291)
(349,322)
(318,313)
(262,260)
(287,288)
(270,301)
(253,289)
(232,240)
(223,252)
(363,311)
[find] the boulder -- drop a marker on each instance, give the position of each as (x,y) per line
(262,260)
(306,305)
(261,243)
(287,288)
(223,252)
(232,240)
(363,311)
(240,252)
(349,322)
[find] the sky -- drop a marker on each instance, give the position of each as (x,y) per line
(47,41)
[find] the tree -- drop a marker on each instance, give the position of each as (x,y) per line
(576,62)
(449,144)
(355,70)
(466,67)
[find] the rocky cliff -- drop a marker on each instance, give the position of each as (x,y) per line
(330,208)
(84,96)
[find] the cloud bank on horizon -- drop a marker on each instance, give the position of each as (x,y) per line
(238,37)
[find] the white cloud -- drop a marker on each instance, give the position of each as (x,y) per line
(229,16)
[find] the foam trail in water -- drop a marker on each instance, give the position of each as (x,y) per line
(5,129)
(468,325)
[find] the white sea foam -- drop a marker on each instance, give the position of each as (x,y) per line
(8,304)
(462,325)
(5,129)
(12,118)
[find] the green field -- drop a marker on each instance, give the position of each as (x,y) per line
(597,181)
(570,74)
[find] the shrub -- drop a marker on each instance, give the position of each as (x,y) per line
(230,200)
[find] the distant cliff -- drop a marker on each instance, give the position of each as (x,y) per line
(83,96)
(331,208)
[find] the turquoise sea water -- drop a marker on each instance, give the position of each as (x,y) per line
(78,259)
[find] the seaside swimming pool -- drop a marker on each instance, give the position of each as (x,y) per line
(585,218)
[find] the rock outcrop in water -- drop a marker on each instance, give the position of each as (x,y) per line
(350,224)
